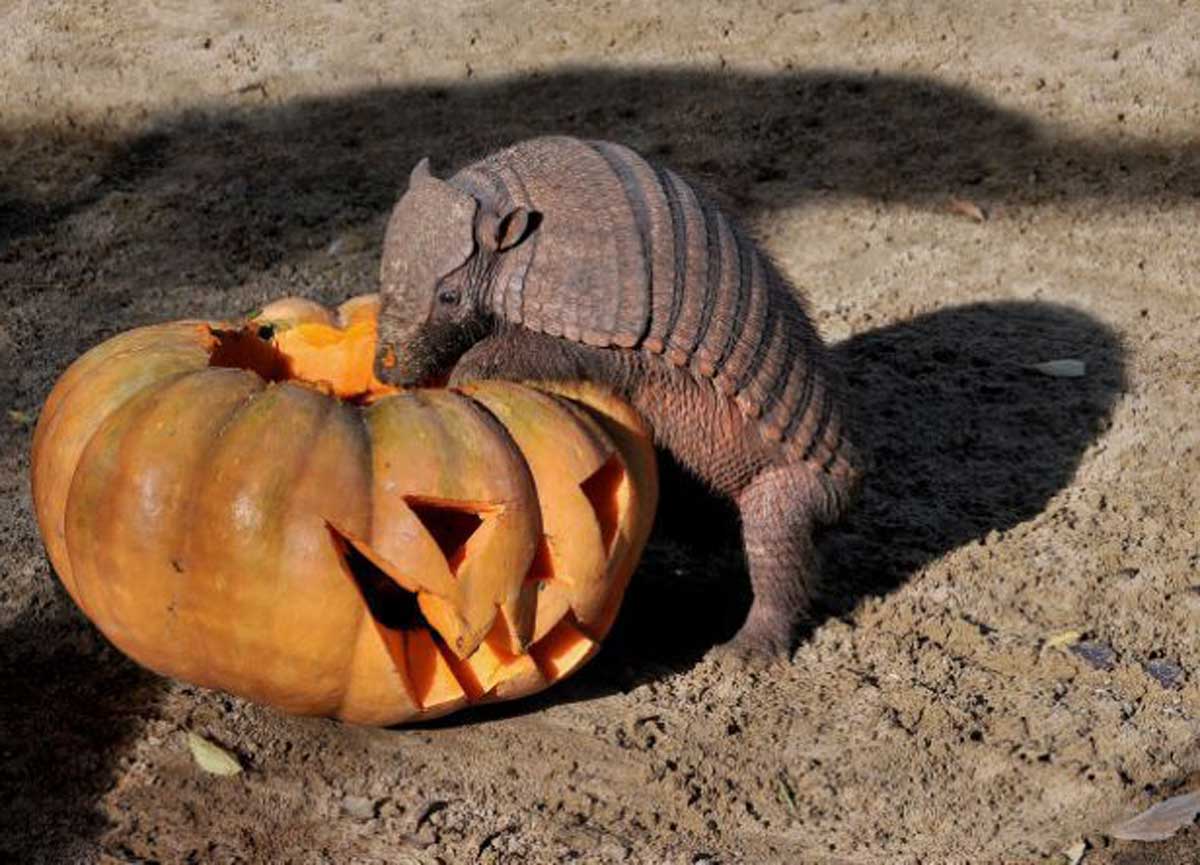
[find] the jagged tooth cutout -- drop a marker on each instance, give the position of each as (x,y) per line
(393,605)
(554,593)
(491,664)
(434,675)
(430,671)
(515,618)
(563,650)
(451,525)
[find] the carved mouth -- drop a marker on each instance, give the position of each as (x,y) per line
(435,678)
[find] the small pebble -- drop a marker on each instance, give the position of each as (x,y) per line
(358,807)
(1165,673)
(1098,655)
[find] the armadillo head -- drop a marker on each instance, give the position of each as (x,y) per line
(439,254)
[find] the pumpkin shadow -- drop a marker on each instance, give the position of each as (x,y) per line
(71,706)
(965,439)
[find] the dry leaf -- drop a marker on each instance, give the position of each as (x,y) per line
(1159,822)
(1075,852)
(1063,638)
(1067,367)
(969,209)
(785,794)
(213,759)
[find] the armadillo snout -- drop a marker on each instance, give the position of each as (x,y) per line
(422,357)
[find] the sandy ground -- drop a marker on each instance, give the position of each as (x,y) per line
(159,164)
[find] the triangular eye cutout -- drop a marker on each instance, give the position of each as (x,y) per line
(390,604)
(601,488)
(451,525)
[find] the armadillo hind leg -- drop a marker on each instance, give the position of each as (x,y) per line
(779,511)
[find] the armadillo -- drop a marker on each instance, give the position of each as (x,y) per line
(563,259)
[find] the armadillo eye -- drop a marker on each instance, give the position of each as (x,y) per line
(448,296)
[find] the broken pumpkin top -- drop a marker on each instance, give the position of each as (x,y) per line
(299,340)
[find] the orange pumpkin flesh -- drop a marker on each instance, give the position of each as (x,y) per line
(245,506)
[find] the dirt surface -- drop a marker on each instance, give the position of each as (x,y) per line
(158,165)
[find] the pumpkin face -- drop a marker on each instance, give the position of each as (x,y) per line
(244,506)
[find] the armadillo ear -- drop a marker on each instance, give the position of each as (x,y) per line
(420,172)
(515,226)
(501,232)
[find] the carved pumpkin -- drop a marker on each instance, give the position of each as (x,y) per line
(244,506)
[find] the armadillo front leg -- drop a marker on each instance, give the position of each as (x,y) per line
(520,355)
(779,511)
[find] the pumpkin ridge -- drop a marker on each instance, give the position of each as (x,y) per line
(149,389)
(302,466)
(368,467)
(564,649)
(272,533)
(56,401)
(193,503)
(506,611)
(448,411)
(179,542)
(48,421)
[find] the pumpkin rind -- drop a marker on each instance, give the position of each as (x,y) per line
(437,446)
(579,557)
(203,517)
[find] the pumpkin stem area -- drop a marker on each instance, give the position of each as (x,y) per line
(338,361)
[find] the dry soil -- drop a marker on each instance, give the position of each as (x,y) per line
(169,160)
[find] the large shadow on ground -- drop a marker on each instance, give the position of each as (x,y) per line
(966,440)
(238,190)
(70,706)
(175,219)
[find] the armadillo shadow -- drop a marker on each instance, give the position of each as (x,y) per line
(70,707)
(966,440)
